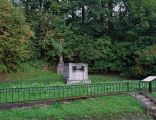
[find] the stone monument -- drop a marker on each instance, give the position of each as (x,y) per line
(60,67)
(76,73)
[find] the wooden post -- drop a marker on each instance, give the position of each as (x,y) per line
(150,87)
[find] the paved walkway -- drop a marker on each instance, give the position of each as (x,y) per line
(148,102)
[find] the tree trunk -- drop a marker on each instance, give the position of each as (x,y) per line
(73,15)
(110,7)
(101,15)
(83,13)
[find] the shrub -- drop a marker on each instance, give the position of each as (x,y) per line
(145,63)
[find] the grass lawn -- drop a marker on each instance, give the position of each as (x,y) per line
(108,107)
(36,79)
(97,108)
(154,93)
(44,78)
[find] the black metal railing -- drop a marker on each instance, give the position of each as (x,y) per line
(12,95)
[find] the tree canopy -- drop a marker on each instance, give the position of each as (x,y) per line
(116,36)
(14,33)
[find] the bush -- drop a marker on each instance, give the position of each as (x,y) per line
(2,68)
(145,63)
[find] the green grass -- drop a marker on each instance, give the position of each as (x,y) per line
(44,78)
(154,93)
(40,78)
(106,78)
(97,107)
(42,93)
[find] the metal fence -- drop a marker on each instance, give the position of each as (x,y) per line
(14,95)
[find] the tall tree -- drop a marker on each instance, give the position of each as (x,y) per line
(14,33)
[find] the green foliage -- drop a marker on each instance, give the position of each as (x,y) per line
(31,66)
(56,42)
(3,68)
(145,63)
(106,34)
(14,33)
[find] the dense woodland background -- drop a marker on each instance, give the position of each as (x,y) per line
(112,36)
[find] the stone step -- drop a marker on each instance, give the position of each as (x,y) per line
(145,99)
(153,107)
(149,103)
(140,96)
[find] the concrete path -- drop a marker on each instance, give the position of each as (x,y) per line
(147,101)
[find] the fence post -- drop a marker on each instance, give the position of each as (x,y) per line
(150,86)
(128,86)
(139,85)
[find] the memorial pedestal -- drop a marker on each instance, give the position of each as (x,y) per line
(75,73)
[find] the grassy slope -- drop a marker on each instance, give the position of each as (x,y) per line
(92,107)
(25,79)
(42,78)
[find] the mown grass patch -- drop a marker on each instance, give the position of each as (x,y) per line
(99,107)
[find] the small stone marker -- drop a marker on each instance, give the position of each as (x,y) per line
(149,80)
(76,73)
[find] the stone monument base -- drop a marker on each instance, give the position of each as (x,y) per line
(78,82)
(76,73)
